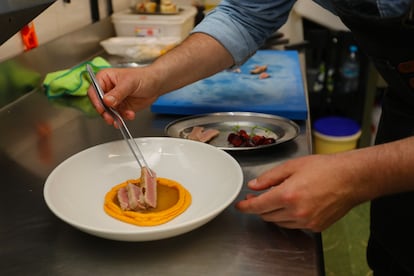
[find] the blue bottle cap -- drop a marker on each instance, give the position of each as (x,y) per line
(336,126)
(353,48)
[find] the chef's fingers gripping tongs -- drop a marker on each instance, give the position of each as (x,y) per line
(133,146)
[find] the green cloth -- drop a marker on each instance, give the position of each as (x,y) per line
(16,80)
(74,81)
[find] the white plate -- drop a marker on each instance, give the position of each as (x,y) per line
(75,190)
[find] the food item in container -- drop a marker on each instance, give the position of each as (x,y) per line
(146,6)
(167,6)
(172,200)
(202,134)
(149,6)
(242,139)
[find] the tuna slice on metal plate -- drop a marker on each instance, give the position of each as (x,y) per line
(202,135)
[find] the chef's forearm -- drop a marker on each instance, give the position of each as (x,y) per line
(382,170)
(198,57)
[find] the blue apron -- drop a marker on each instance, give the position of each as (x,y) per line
(389,43)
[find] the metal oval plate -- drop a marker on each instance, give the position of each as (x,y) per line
(279,128)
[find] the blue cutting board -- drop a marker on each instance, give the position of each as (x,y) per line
(281,94)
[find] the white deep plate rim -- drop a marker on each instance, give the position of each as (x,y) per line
(135,233)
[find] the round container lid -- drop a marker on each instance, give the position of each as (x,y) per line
(336,126)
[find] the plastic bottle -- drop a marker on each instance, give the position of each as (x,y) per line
(350,72)
(319,83)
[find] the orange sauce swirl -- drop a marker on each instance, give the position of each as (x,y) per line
(172,200)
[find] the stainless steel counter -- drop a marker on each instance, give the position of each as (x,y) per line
(38,134)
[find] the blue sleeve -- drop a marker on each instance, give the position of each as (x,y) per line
(242,26)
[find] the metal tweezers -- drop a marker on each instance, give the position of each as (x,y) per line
(133,146)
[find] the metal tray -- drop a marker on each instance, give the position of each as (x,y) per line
(279,128)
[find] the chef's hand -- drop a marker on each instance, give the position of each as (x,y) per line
(127,90)
(314,191)
(311,193)
(131,89)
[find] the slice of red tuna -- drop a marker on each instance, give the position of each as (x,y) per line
(208,134)
(123,199)
(195,133)
(149,187)
(135,197)
(202,135)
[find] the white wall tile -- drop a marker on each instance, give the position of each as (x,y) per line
(70,17)
(11,47)
(59,19)
(120,5)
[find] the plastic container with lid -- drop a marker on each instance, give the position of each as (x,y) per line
(128,23)
(335,134)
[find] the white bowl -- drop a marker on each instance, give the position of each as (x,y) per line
(75,190)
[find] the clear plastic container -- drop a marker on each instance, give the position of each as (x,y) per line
(129,23)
